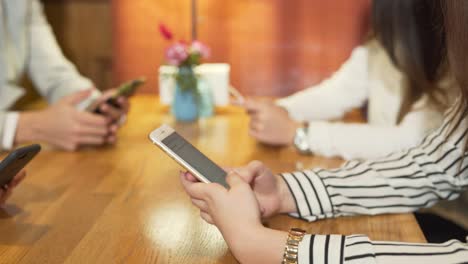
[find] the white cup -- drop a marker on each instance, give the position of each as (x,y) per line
(216,76)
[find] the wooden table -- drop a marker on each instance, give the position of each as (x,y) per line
(124,204)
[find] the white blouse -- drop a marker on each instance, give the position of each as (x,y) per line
(368,75)
(28,46)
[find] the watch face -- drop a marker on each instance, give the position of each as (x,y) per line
(301,141)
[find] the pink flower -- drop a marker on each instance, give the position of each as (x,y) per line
(165,32)
(177,53)
(200,48)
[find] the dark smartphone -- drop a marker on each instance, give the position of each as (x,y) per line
(16,161)
(184,153)
(126,90)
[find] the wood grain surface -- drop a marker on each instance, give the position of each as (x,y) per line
(124,203)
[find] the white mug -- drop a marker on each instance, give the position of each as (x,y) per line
(216,75)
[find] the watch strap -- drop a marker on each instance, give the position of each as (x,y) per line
(291,250)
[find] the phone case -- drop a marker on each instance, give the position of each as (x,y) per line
(16,161)
(126,90)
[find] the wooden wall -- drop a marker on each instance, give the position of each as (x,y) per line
(275,47)
(84,31)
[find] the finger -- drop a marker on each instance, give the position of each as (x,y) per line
(114,128)
(77,97)
(256,125)
(252,171)
(256,134)
(200,204)
(257,118)
(187,176)
(92,140)
(91,119)
(233,179)
(192,188)
(245,175)
(255,167)
(203,191)
(90,130)
(4,195)
(111,112)
(112,139)
(124,104)
(17,179)
(207,218)
(252,106)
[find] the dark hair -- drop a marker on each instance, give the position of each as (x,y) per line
(455,20)
(456,27)
(410,31)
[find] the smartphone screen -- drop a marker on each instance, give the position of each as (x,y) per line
(195,158)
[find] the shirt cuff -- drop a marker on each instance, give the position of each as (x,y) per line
(320,141)
(310,195)
(321,249)
(9,130)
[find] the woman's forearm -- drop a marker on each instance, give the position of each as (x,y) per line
(264,245)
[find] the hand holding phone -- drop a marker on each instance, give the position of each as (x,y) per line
(124,90)
(16,161)
(188,156)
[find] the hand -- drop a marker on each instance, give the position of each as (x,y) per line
(7,190)
(116,114)
(236,214)
(63,126)
(270,124)
(217,204)
(272,193)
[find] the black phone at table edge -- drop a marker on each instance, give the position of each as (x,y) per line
(16,161)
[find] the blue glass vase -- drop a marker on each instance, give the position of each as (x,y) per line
(185,105)
(206,103)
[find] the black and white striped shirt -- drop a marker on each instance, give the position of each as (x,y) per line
(401,182)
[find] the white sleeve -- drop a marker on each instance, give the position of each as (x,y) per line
(365,141)
(10,122)
(50,71)
(344,90)
(338,249)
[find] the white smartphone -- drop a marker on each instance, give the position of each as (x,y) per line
(184,153)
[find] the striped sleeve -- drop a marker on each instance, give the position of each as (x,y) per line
(401,182)
(338,249)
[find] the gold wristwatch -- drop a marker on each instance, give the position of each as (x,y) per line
(291,249)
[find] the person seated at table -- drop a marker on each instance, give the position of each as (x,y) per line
(396,118)
(28,46)
(435,169)
(7,190)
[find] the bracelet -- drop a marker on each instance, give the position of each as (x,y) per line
(291,249)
